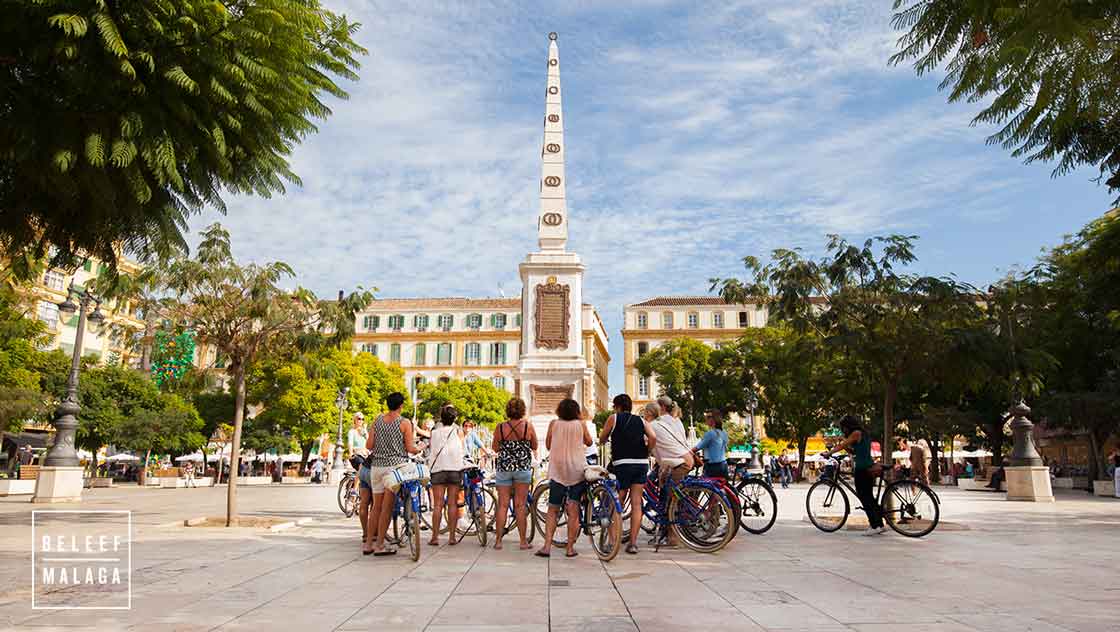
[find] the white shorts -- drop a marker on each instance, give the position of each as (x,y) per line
(377,478)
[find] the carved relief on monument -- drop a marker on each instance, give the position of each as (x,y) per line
(546,398)
(552,315)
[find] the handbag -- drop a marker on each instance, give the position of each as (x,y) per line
(593,473)
(411,471)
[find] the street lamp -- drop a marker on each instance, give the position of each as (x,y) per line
(342,403)
(60,478)
(756,462)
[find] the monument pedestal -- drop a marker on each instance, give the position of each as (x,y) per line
(1029,483)
(58,484)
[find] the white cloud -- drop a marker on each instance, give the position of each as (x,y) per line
(694,137)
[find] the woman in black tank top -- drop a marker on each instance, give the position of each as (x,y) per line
(632,439)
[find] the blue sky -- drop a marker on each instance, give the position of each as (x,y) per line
(696,133)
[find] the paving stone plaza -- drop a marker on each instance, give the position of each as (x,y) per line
(993,565)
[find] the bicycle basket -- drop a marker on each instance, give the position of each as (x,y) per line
(474,474)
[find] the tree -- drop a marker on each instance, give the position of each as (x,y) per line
(698,378)
(1078,322)
(171,425)
(886,324)
(797,384)
(1046,70)
(21,395)
(301,405)
(122,119)
(478,401)
(240,310)
(216,410)
(140,291)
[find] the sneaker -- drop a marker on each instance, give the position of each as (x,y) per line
(875,531)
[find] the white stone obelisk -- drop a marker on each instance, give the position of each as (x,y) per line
(551,365)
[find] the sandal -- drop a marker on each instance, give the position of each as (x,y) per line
(570,554)
(542,554)
(632,549)
(385,552)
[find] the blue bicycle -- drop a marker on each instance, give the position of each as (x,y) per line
(600,516)
(477,502)
(697,510)
(406,516)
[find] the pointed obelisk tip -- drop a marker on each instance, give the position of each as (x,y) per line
(552,36)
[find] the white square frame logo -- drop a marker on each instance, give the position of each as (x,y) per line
(35,544)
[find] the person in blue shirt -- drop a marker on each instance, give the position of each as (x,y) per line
(475,447)
(713,445)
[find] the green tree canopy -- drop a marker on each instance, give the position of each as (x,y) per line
(21,395)
(170,425)
(478,401)
(884,322)
(121,119)
(698,377)
(1046,72)
(799,381)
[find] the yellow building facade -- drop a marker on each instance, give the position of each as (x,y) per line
(441,339)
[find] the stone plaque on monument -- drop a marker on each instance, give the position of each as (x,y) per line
(552,315)
(546,398)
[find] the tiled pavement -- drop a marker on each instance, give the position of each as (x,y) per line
(1016,567)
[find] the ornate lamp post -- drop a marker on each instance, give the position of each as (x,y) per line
(60,478)
(756,461)
(342,403)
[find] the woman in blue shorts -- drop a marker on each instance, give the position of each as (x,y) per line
(515,443)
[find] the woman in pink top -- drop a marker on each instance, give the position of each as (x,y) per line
(567,442)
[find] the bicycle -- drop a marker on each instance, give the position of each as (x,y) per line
(725,487)
(908,506)
(696,510)
(348,494)
(600,515)
(511,515)
(477,502)
(758,502)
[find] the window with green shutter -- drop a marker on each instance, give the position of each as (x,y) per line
(396,322)
(497,353)
(498,321)
(371,322)
(472,354)
(420,322)
(446,321)
(395,352)
(443,354)
(421,354)
(474,321)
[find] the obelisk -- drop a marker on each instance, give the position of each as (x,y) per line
(551,366)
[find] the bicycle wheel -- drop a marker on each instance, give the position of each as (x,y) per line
(701,517)
(411,522)
(759,505)
(736,508)
(539,507)
(480,516)
(344,487)
(911,508)
(604,524)
(827,506)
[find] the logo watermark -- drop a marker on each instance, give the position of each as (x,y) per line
(81,559)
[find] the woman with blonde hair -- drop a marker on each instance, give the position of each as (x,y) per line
(515,443)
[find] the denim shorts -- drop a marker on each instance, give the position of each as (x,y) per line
(715,470)
(558,493)
(506,479)
(629,474)
(363,478)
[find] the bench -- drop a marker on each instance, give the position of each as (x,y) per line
(16,487)
(1104,488)
(28,472)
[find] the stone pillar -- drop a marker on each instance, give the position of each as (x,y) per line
(1027,478)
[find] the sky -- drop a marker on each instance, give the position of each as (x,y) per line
(696,134)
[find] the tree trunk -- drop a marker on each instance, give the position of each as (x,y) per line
(802,443)
(934,459)
(887,445)
(146,348)
(235,448)
(305,453)
(1095,471)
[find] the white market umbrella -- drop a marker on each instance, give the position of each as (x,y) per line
(122,457)
(194,456)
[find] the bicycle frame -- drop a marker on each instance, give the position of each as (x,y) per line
(656,509)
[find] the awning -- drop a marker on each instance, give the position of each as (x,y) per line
(36,440)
